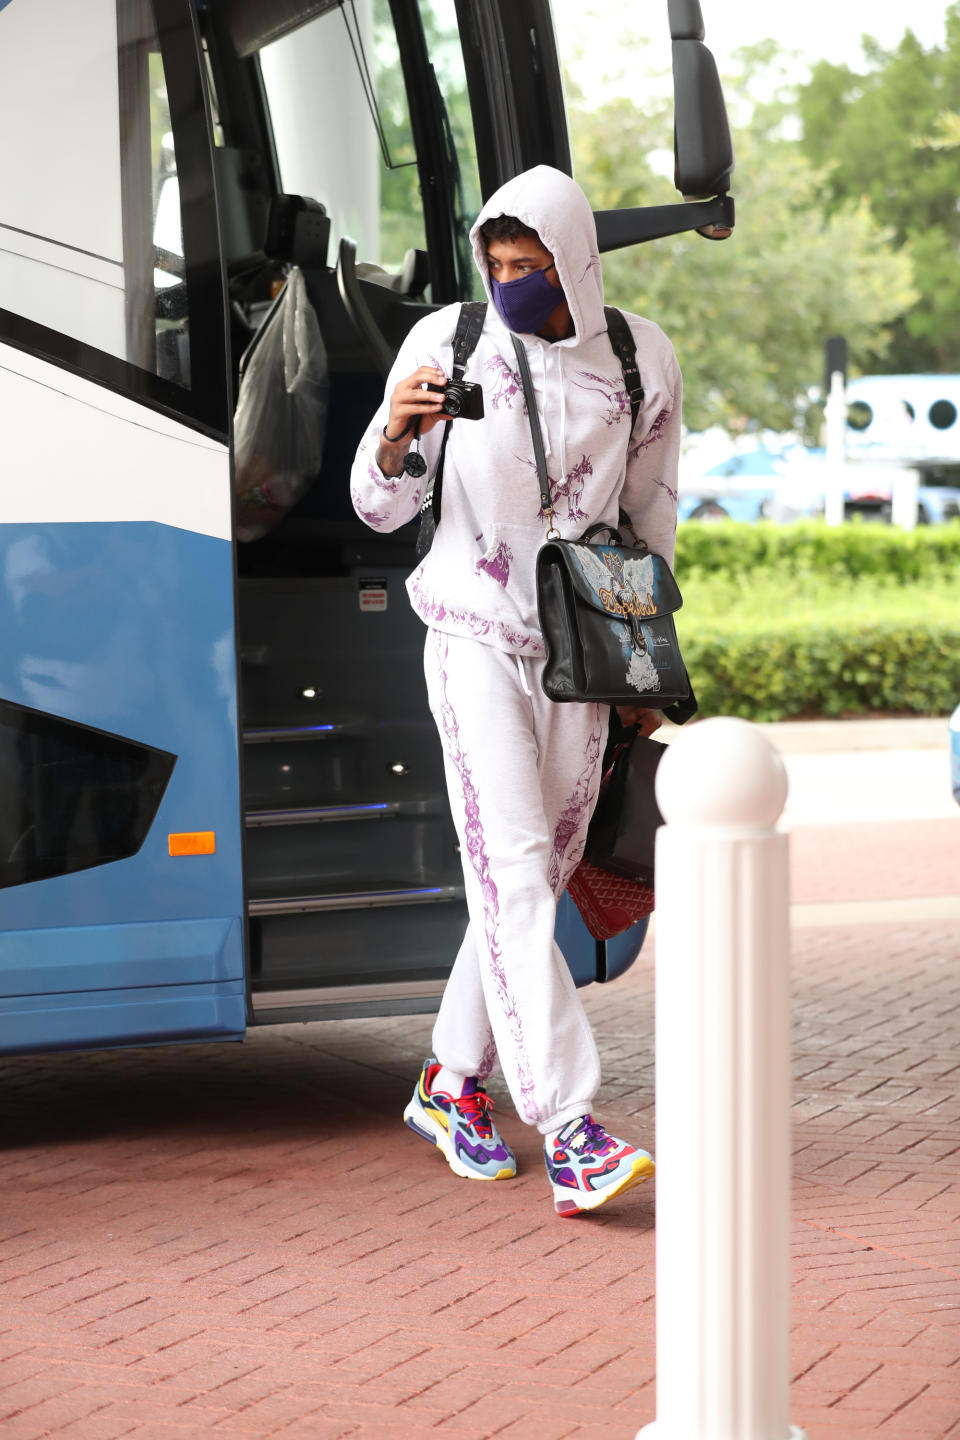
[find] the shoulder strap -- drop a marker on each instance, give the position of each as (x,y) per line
(625,348)
(465,337)
(546,503)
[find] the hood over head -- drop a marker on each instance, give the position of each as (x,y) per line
(549,202)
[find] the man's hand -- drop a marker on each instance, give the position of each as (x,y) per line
(408,403)
(647,720)
(410,400)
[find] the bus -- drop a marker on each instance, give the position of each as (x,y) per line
(904,423)
(221,795)
(902,453)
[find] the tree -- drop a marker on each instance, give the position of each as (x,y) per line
(748,315)
(891,135)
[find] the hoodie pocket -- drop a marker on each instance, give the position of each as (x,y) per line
(509,563)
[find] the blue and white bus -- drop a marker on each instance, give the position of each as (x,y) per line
(221,798)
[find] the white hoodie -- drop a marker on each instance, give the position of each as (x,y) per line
(478,578)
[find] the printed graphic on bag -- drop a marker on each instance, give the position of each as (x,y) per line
(625,589)
(626,601)
(606,612)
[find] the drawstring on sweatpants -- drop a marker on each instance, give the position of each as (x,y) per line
(523,677)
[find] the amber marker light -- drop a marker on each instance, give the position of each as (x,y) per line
(193,842)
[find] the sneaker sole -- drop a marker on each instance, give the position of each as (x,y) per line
(587,1200)
(422,1124)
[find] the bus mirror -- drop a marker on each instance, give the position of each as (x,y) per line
(617,229)
(686,19)
(703,149)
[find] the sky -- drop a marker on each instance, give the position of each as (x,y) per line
(816,29)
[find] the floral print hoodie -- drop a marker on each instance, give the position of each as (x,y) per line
(478,578)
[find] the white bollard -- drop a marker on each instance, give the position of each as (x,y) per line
(723,1090)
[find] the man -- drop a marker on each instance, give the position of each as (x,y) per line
(522,773)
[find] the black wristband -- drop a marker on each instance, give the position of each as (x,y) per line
(392,439)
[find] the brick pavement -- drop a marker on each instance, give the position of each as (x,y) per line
(244,1241)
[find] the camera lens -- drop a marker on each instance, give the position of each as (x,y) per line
(453,401)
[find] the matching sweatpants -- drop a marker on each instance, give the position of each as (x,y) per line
(522,776)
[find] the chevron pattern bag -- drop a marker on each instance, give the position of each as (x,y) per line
(608,904)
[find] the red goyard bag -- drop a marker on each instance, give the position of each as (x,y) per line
(608,903)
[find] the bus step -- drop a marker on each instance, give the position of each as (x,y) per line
(369,996)
(265,734)
(324,814)
(356,900)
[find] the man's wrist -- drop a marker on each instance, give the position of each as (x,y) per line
(390,459)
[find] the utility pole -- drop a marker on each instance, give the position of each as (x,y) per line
(835,414)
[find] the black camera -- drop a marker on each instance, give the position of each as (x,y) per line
(462,399)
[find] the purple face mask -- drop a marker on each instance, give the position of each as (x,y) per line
(526,304)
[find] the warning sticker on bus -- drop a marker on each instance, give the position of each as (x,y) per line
(372,591)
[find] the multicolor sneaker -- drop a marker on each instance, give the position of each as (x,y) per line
(461,1128)
(587,1167)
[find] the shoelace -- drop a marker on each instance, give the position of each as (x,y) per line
(590,1138)
(474,1109)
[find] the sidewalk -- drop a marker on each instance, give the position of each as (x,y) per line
(246,1242)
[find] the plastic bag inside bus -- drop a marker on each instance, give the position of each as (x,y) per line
(281,413)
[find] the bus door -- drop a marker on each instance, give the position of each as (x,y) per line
(380,125)
(121,891)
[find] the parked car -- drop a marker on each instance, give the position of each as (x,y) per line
(764,484)
(932,493)
(742,487)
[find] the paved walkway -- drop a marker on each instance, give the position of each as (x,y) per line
(244,1241)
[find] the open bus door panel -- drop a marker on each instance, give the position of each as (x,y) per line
(121,892)
(354,886)
(116,557)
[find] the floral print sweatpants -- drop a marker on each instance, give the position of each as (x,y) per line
(522,777)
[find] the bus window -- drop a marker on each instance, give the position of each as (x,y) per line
(446,53)
(326,142)
(91,223)
(342,127)
(77,247)
(84,798)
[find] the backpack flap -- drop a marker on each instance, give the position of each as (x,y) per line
(619,581)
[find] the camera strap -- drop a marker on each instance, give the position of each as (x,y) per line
(469,326)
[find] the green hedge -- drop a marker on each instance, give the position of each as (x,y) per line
(852,550)
(785,641)
(800,671)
